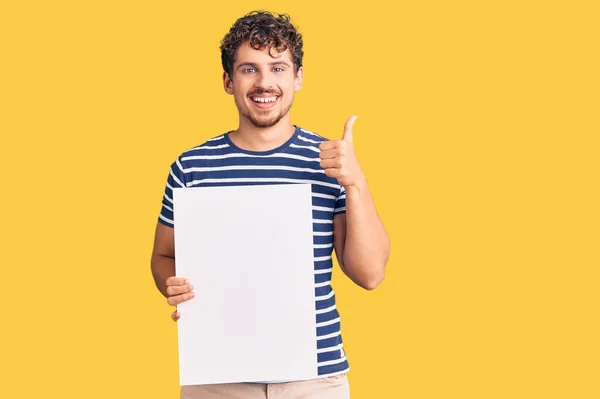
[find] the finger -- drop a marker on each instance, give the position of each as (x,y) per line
(331,163)
(175,315)
(177,299)
(330,154)
(328,145)
(173,280)
(333,172)
(179,289)
(348,129)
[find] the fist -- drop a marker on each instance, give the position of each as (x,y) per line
(339,160)
(178,290)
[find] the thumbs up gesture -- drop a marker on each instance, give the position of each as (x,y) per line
(339,160)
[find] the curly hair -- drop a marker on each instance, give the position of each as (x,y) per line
(262,29)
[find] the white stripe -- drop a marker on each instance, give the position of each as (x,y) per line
(253,167)
(323,233)
(323,196)
(322,221)
(169,208)
(330,349)
(238,155)
(335,373)
(176,179)
(339,209)
(165,219)
(322,258)
(209,147)
(333,334)
(216,138)
(343,196)
(259,180)
(168,199)
(319,246)
(322,208)
(168,185)
(328,322)
(305,147)
(314,134)
(325,297)
(329,309)
(330,362)
(179,165)
(323,271)
(323,284)
(309,140)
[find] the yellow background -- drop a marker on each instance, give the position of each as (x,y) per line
(478,131)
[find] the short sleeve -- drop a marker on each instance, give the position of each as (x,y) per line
(340,202)
(175,179)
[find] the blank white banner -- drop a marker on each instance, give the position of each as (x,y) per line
(248,251)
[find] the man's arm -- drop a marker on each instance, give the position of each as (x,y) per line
(162,264)
(362,246)
(361,243)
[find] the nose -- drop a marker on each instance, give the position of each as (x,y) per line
(264,82)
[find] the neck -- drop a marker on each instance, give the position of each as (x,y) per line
(251,138)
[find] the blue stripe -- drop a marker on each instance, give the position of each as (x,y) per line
(252,173)
(322,227)
(335,327)
(322,214)
(322,265)
(245,160)
(322,277)
(321,240)
(324,304)
(320,291)
(328,342)
(327,356)
(327,316)
(323,202)
(228,184)
(322,251)
(333,368)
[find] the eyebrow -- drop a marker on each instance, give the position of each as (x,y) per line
(252,64)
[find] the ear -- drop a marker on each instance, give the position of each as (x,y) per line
(227,83)
(299,79)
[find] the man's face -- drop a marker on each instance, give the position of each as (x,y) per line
(263,86)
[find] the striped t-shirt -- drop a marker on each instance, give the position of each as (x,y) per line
(219,162)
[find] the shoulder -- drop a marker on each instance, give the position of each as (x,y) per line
(216,145)
(310,137)
(211,145)
(200,153)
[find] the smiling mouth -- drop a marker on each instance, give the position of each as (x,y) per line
(262,100)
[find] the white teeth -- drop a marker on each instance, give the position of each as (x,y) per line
(265,100)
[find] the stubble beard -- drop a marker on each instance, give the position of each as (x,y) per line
(262,122)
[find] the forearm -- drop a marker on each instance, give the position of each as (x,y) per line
(162,267)
(367,245)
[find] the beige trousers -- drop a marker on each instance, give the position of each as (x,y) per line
(335,387)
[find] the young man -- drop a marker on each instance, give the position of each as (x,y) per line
(262,62)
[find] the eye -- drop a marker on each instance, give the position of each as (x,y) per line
(278,69)
(249,70)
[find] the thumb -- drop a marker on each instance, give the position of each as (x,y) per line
(348,129)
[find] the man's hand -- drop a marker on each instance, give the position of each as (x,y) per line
(339,160)
(178,290)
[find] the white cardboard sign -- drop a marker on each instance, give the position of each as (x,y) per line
(248,251)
